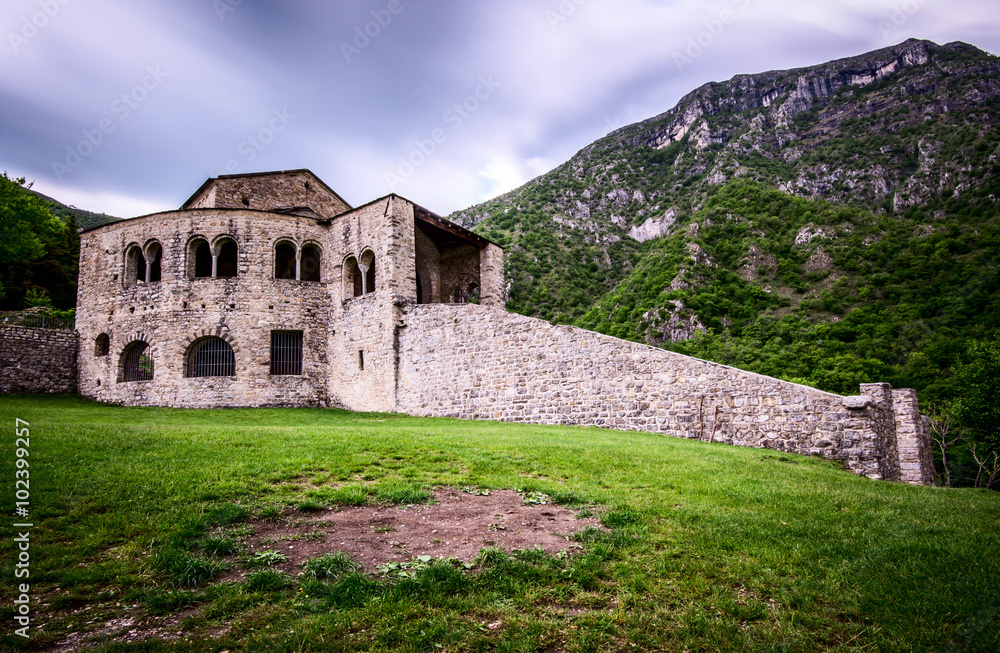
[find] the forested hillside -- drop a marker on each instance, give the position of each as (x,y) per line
(830,225)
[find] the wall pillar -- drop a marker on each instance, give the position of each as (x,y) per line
(913,440)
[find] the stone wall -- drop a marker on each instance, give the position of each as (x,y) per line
(171,314)
(37,360)
(475,362)
(916,458)
(269,192)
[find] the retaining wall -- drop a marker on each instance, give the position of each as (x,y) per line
(479,363)
(37,360)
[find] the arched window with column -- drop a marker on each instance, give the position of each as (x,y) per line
(309,266)
(226,259)
(135,265)
(284,260)
(367,265)
(352,278)
(199,259)
(154,258)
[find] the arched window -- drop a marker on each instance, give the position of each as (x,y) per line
(136,363)
(370,278)
(102,345)
(284,261)
(226,261)
(210,357)
(474,293)
(135,266)
(367,266)
(352,278)
(199,264)
(309,266)
(154,254)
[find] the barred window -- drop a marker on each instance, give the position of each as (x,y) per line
(137,363)
(102,345)
(286,353)
(211,357)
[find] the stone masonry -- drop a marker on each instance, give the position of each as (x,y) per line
(346,329)
(477,362)
(269,290)
(37,360)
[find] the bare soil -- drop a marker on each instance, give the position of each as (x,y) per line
(456,525)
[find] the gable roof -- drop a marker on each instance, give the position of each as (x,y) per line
(274,173)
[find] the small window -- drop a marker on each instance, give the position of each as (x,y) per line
(135,266)
(309,267)
(226,263)
(199,259)
(102,345)
(367,267)
(284,261)
(352,278)
(137,363)
(211,357)
(155,256)
(286,353)
(370,277)
(361,360)
(474,293)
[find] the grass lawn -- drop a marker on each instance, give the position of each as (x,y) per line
(137,511)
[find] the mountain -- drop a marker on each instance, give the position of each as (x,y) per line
(831,225)
(84,219)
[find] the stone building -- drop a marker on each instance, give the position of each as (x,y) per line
(267,290)
(270,290)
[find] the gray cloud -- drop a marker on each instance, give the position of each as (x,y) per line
(361,94)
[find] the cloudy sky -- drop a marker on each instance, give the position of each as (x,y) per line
(127,108)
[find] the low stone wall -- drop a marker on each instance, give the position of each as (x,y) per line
(37,360)
(474,362)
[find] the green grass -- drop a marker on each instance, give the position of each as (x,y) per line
(710,547)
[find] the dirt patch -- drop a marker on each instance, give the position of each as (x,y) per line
(457,525)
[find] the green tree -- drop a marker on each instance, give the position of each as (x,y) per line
(38,253)
(978,406)
(978,385)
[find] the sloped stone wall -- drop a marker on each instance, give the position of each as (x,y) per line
(37,360)
(475,362)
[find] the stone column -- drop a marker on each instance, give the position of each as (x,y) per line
(913,442)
